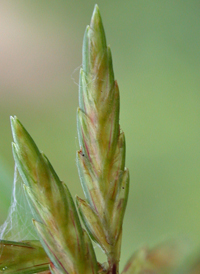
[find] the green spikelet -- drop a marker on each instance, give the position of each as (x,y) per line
(101,159)
(56,221)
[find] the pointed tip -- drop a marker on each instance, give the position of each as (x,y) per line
(94,42)
(12,121)
(37,224)
(11,118)
(96,11)
(96,6)
(96,16)
(16,127)
(78,200)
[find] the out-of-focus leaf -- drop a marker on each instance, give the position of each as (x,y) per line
(163,259)
(191,264)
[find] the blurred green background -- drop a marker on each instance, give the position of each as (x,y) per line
(156,56)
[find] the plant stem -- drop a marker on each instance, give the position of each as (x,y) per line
(113,267)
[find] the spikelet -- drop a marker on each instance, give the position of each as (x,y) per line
(101,159)
(56,219)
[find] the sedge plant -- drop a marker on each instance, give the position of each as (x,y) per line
(65,243)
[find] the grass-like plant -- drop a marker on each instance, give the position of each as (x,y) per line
(64,245)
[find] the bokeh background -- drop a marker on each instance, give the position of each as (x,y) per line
(156,56)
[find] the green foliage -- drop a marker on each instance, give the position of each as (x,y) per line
(64,246)
(24,257)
